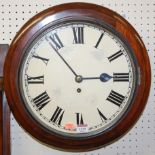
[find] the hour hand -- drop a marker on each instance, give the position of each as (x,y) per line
(104,77)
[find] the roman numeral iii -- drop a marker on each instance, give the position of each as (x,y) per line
(78,33)
(115,98)
(41,100)
(57,116)
(120,77)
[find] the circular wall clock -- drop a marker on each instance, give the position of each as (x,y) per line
(77,76)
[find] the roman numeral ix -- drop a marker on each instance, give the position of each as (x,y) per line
(78,33)
(35,80)
(115,98)
(41,100)
(57,116)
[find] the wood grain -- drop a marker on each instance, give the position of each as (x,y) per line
(3,51)
(4,109)
(56,15)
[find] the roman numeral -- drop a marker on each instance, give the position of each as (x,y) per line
(35,80)
(45,60)
(79,119)
(115,98)
(115,56)
(99,40)
(78,33)
(120,77)
(55,42)
(57,116)
(103,118)
(41,100)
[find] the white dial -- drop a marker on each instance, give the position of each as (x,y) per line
(77,79)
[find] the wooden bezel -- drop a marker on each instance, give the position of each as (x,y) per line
(16,53)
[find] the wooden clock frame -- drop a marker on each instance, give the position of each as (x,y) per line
(16,52)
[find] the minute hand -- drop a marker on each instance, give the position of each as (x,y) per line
(62,58)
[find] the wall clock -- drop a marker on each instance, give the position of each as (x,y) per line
(77,76)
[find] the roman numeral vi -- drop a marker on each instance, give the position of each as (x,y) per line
(79,119)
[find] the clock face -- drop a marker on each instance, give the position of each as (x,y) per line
(77,78)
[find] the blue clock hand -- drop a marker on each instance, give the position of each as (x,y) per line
(104,77)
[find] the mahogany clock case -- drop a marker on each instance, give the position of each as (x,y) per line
(67,12)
